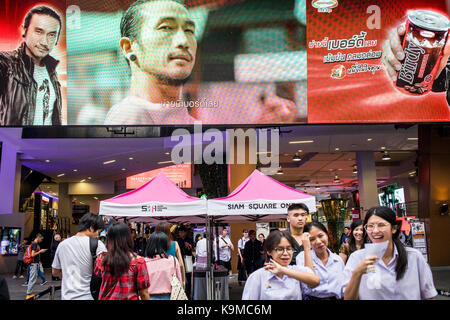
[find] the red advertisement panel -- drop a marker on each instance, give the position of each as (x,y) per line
(179,174)
(355,71)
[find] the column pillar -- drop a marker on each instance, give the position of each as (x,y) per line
(10,171)
(237,173)
(367,180)
(434,190)
(65,205)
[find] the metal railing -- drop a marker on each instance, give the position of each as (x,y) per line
(50,291)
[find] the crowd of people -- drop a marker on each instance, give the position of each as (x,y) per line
(291,264)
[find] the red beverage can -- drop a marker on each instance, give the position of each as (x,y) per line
(423,44)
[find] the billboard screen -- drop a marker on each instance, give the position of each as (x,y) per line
(179,174)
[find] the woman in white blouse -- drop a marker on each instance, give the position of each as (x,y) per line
(327,265)
(400,273)
(278,280)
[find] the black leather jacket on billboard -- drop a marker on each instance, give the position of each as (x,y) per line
(18,89)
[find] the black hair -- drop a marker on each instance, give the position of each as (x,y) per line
(91,220)
(298,206)
(39,235)
(131,19)
(351,240)
(119,245)
(45,10)
(274,238)
(315,224)
(157,244)
(387,214)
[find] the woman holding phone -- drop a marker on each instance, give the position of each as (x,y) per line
(402,272)
(278,280)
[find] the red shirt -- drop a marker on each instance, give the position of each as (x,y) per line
(125,286)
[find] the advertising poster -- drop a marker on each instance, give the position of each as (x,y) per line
(33,76)
(179,174)
(353,76)
(164,63)
(418,237)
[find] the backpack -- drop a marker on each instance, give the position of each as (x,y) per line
(96,281)
(27,258)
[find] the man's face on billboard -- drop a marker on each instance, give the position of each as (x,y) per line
(41,35)
(166,47)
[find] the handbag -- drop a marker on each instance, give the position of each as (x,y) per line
(177,292)
(188,265)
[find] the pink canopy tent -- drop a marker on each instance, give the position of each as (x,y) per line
(258,198)
(159,199)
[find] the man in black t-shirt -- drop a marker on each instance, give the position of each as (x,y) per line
(253,252)
(35,264)
(186,245)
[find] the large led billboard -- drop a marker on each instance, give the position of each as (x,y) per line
(224,62)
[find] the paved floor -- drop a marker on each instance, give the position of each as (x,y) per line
(441,277)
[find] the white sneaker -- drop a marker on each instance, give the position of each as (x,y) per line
(21,277)
(14,277)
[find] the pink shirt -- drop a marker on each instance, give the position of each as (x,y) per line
(160,272)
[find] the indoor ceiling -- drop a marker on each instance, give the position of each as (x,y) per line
(81,159)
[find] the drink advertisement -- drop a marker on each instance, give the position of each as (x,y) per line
(377,61)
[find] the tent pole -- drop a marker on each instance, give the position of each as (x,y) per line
(209,272)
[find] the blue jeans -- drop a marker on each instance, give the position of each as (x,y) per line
(162,296)
(40,274)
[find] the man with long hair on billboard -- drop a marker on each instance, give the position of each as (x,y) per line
(30,93)
(158,41)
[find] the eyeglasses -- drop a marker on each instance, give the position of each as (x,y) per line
(380,226)
(281,250)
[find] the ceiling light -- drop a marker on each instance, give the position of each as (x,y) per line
(296,158)
(75,170)
(164,162)
(412,139)
(47,161)
(300,151)
(383,148)
(130,158)
(336,149)
(355,168)
(123,169)
(167,153)
(369,139)
(339,169)
(110,161)
(386,156)
(280,170)
(89,178)
(60,175)
(336,179)
(95,198)
(301,141)
(83,180)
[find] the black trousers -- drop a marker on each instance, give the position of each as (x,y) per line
(188,284)
(20,267)
(242,275)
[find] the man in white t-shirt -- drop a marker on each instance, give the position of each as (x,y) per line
(73,260)
(158,41)
(225,248)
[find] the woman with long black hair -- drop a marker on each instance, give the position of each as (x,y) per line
(355,241)
(327,265)
(124,274)
(279,280)
(161,266)
(400,273)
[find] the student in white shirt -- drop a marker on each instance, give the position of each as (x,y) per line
(242,275)
(278,280)
(225,248)
(400,274)
(327,265)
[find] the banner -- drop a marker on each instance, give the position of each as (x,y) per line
(352,74)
